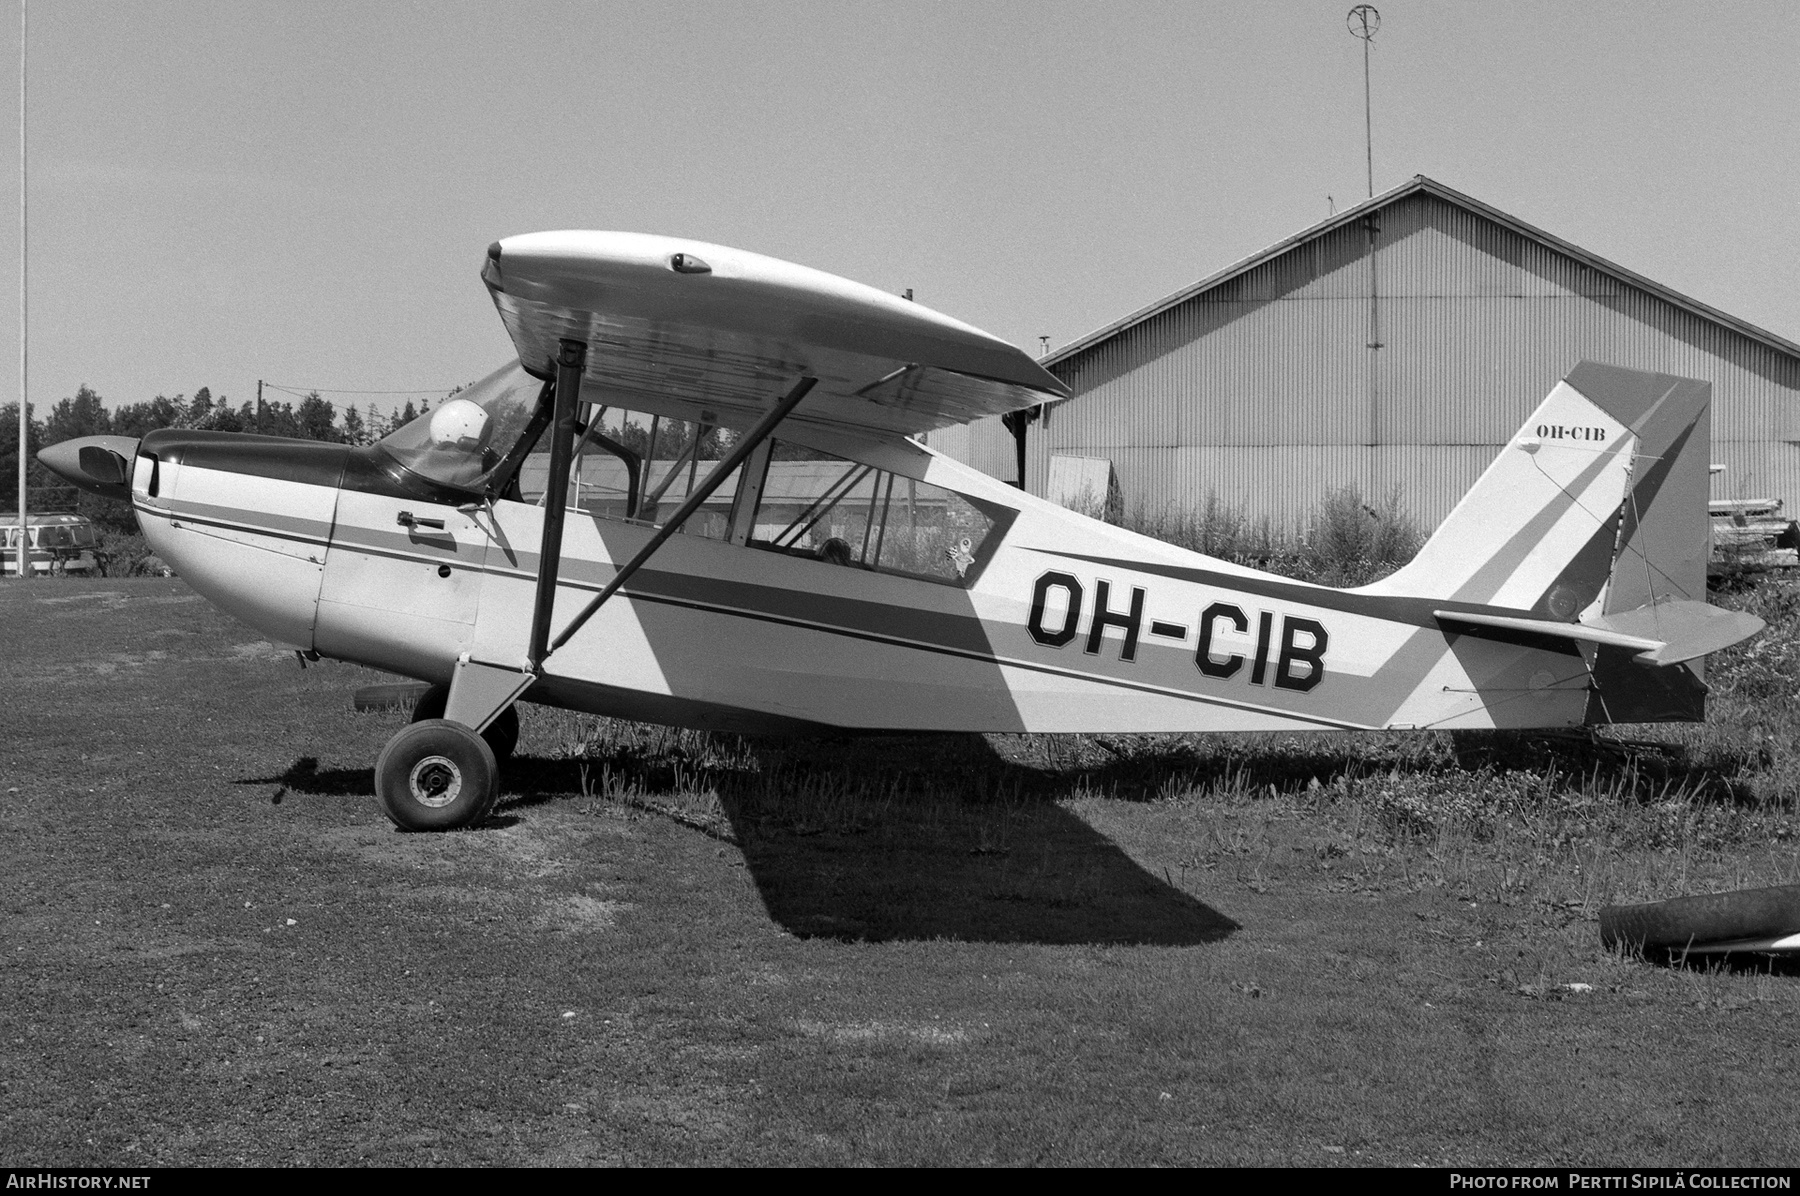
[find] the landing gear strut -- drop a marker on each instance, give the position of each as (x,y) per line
(440,773)
(502,734)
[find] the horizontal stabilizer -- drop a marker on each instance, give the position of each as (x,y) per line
(1688,629)
(1661,634)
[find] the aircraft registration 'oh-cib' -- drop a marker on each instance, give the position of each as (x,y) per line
(783,555)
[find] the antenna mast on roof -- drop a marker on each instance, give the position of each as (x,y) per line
(1363,21)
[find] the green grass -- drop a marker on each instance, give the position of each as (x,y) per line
(675,947)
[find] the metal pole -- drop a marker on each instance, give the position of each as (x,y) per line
(1363,21)
(24,554)
(569,365)
(719,473)
(1368,120)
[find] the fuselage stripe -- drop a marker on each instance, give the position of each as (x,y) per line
(185,513)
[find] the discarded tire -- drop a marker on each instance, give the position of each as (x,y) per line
(1690,921)
(397,695)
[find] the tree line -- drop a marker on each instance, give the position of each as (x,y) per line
(84,414)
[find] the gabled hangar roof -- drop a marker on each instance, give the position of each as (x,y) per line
(1416,185)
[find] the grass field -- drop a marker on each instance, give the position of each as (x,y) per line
(670,947)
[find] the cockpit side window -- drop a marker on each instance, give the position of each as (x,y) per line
(637,467)
(466,439)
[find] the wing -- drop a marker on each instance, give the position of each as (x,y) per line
(701,332)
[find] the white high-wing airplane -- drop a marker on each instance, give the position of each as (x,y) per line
(829,571)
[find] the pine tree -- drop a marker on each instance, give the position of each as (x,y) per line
(83,415)
(279,420)
(135,419)
(9,454)
(316,419)
(354,430)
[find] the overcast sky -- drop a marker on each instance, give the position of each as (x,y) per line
(302,192)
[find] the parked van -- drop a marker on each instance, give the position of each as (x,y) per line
(59,544)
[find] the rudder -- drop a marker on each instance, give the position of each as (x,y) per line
(1664,540)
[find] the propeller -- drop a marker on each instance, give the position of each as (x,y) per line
(98,464)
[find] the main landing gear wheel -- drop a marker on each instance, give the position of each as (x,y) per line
(436,775)
(502,734)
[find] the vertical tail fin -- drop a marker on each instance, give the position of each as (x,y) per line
(1609,451)
(1596,510)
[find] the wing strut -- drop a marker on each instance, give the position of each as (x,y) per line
(1015,422)
(719,473)
(569,365)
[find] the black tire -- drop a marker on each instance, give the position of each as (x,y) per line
(1694,921)
(502,734)
(436,776)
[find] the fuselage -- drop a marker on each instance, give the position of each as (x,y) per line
(1064,623)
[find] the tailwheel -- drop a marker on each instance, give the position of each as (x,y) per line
(502,734)
(436,775)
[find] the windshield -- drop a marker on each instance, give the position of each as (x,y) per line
(465,438)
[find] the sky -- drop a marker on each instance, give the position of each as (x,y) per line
(302,193)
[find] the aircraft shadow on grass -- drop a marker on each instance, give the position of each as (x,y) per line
(910,837)
(975,846)
(985,855)
(1054,880)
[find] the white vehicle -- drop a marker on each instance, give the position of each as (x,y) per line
(878,585)
(58,544)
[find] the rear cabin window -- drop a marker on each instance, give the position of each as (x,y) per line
(66,535)
(844,513)
(53,535)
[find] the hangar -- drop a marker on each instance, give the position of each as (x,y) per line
(1399,343)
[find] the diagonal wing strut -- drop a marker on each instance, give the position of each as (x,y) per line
(719,473)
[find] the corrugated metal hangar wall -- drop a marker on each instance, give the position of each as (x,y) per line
(1280,379)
